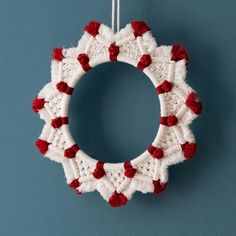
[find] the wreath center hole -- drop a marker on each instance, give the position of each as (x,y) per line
(114,112)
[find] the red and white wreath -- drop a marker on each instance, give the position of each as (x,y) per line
(174,142)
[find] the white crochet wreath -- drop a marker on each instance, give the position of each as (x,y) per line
(174,142)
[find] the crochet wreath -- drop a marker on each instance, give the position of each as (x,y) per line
(174,142)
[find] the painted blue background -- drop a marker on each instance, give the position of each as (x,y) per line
(117,112)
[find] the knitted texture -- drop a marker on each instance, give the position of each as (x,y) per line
(174,142)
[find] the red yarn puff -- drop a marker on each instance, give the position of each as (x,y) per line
(58,122)
(71,152)
(156,152)
(38,104)
(139,27)
(92,28)
(165,87)
(158,186)
(129,170)
(63,87)
(169,120)
(193,104)
(117,199)
(144,62)
(57,54)
(172,120)
(189,149)
(74,184)
(179,53)
(84,61)
(99,171)
(113,52)
(42,145)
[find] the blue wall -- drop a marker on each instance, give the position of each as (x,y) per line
(34,199)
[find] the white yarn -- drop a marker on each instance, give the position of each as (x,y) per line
(149,43)
(173,102)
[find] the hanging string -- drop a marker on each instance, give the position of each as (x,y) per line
(113,16)
(117,16)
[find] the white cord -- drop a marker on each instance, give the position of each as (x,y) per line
(113,16)
(117,16)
